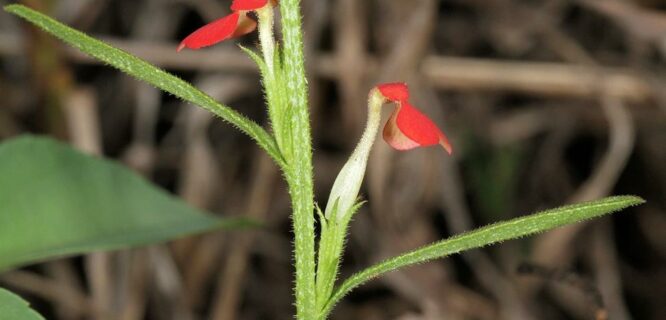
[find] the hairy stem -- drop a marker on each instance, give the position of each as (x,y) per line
(299,175)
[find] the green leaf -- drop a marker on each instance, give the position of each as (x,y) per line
(276,98)
(484,236)
(143,70)
(57,201)
(12,307)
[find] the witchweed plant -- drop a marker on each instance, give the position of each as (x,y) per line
(289,144)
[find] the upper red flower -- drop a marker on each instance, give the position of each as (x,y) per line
(238,5)
(234,25)
(408,128)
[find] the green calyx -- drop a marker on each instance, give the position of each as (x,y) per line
(348,182)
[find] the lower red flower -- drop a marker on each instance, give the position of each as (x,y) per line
(395,91)
(408,128)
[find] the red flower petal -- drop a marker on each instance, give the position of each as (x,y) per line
(212,33)
(395,92)
(394,137)
(247,5)
(408,128)
(245,26)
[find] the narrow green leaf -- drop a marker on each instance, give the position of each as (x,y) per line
(143,70)
(12,307)
(56,201)
(484,236)
(278,111)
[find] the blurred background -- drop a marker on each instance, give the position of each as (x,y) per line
(546,102)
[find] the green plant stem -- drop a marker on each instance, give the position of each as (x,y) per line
(299,175)
(495,233)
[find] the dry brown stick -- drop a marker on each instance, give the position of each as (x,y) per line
(155,21)
(142,155)
(98,271)
(199,257)
(602,180)
(551,247)
(538,78)
(458,217)
(84,129)
(401,63)
(209,9)
(579,288)
(554,247)
(466,74)
(316,15)
(135,293)
(639,21)
(169,285)
(58,292)
(89,12)
(221,58)
(622,136)
(605,261)
(199,182)
(200,171)
(82,117)
(200,269)
(79,110)
(228,293)
(518,126)
(457,214)
(350,42)
(65,273)
(9,126)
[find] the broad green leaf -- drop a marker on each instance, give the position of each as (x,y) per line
(484,236)
(12,307)
(56,201)
(145,71)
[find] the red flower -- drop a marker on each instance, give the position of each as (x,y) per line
(238,5)
(234,25)
(408,128)
(394,92)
